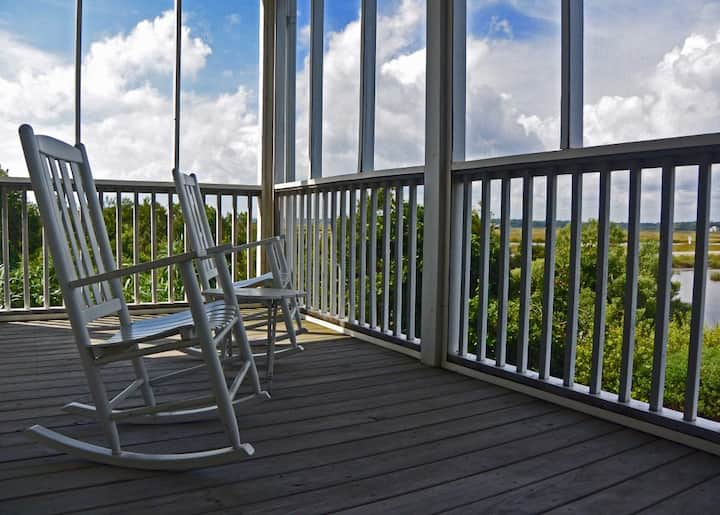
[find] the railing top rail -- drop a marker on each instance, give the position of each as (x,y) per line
(684,150)
(410,174)
(130,186)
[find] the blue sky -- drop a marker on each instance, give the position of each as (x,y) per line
(230,28)
(644,77)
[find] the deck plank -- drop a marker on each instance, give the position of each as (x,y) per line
(351,427)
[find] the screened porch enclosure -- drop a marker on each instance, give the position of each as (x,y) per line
(537,327)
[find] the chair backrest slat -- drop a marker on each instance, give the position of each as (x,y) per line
(195,216)
(89,226)
(72,216)
(80,230)
(69,234)
(282,275)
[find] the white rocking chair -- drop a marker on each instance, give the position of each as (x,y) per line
(200,237)
(72,216)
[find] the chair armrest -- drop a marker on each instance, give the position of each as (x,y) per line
(253,244)
(135,269)
(219,249)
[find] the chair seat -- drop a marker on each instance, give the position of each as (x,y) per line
(219,314)
(254,281)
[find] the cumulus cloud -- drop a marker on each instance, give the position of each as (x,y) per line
(665,87)
(127,106)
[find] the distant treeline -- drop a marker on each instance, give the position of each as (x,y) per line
(645,226)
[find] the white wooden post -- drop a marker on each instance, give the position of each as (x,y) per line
(265,108)
(280,89)
(457,328)
(78,66)
(571,111)
(459,72)
(438,158)
(176,85)
(316,86)
(368,44)
(290,91)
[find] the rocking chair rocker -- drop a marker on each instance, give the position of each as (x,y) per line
(91,286)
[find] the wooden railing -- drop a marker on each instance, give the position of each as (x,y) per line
(144,223)
(353,241)
(546,357)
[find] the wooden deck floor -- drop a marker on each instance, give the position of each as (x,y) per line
(351,427)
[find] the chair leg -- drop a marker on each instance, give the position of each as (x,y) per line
(221,393)
(146,388)
(102,403)
(289,322)
(246,354)
(296,314)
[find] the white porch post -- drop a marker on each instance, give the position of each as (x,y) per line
(78,66)
(290,85)
(571,111)
(176,85)
(317,18)
(368,45)
(266,110)
(280,149)
(438,160)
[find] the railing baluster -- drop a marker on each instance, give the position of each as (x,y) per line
(118,229)
(503,272)
(301,245)
(484,278)
(386,259)
(601,283)
(363,253)
(525,276)
(170,231)
(466,240)
(25,250)
(136,245)
(325,261)
(399,215)
(412,262)
(342,303)
(218,220)
(352,315)
(290,233)
(47,301)
(309,244)
(574,286)
(631,285)
(6,249)
(249,237)
(662,315)
(316,252)
(333,254)
(549,277)
(153,248)
(233,237)
(373,257)
(456,338)
(702,229)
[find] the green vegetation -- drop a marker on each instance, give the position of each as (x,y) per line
(715,276)
(678,340)
(677,345)
(143,282)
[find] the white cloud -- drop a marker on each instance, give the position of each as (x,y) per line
(127,107)
(658,79)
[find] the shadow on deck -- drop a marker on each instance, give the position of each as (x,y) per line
(351,427)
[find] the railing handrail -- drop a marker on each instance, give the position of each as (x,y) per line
(412,174)
(132,186)
(650,154)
